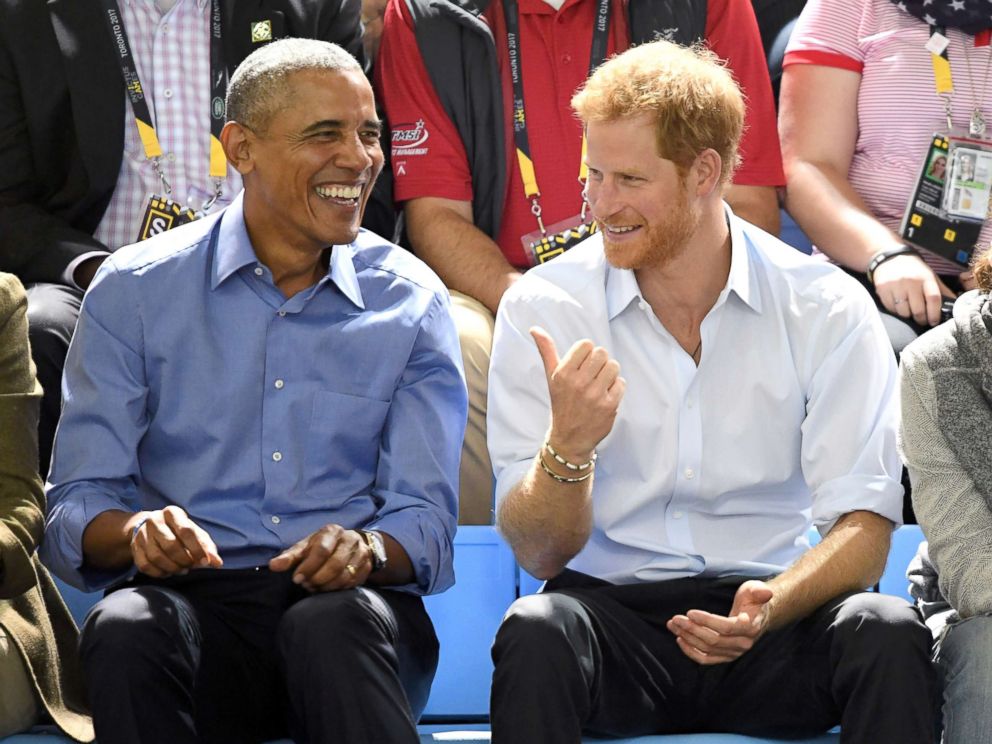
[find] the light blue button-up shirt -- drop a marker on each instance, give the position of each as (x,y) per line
(191,380)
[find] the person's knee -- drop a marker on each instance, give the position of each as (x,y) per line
(137,627)
(538,626)
(879,626)
(338,620)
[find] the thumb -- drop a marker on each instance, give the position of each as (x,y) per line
(546,347)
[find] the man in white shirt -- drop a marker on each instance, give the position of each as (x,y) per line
(711,394)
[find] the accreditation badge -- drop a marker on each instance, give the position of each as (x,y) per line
(542,246)
(162,214)
(942,215)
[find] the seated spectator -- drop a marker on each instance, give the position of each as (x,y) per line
(39,669)
(945,435)
(859,107)
(668,507)
(75,174)
(478,191)
(259,447)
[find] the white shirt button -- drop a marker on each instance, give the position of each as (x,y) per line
(282,313)
(277,456)
(276,520)
(690,473)
(167,92)
(689,404)
(165,28)
(279,384)
(258,271)
(172,157)
(643,305)
(678,514)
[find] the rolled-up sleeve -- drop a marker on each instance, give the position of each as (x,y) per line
(849,453)
(94,466)
(417,476)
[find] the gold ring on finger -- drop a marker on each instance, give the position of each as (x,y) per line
(352,570)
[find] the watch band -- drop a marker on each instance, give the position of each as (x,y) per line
(377,548)
(889,253)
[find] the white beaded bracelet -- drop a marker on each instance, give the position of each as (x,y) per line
(591,463)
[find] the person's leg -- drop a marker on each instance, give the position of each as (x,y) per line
(52,313)
(475,335)
(595,659)
(965,656)
(861,660)
(358,666)
(140,649)
(18,705)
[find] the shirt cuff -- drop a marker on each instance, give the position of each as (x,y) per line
(62,548)
(70,270)
(878,494)
(428,546)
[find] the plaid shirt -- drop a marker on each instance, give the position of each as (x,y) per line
(172,53)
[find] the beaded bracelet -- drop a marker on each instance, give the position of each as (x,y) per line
(591,463)
(561,478)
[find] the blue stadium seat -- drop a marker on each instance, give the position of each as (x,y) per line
(905,541)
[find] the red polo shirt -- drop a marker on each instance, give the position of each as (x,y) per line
(428,158)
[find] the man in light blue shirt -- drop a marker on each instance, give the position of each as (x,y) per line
(263,418)
(673,404)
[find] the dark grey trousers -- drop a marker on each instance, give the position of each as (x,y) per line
(588,656)
(247,656)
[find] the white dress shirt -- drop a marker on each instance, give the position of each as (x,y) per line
(789,420)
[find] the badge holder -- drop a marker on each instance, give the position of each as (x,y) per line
(946,180)
(546,243)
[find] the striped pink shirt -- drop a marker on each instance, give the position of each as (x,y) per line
(172,54)
(898,107)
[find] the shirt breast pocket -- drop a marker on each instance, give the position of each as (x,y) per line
(342,450)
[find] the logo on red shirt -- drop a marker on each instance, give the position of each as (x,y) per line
(408,138)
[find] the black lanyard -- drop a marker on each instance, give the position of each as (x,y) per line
(600,39)
(139,104)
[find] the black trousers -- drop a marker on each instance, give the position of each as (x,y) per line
(52,313)
(247,656)
(590,657)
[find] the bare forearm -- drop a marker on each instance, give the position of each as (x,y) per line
(756,204)
(847,231)
(467,260)
(546,523)
(107,539)
(850,558)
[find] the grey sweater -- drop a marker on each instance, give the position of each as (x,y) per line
(946,441)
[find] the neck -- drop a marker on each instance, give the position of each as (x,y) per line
(294,267)
(686,288)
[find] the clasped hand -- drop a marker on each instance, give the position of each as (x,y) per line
(715,639)
(168,543)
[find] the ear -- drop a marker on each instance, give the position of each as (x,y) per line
(236,141)
(706,172)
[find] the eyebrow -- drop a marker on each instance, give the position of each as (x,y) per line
(338,124)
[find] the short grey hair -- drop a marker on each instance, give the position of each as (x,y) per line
(259,84)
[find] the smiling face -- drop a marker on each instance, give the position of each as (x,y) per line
(639,198)
(309,174)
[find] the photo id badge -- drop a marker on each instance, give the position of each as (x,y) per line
(560,237)
(925,223)
(969,179)
(163,214)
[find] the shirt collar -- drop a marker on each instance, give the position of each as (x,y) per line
(622,289)
(234,251)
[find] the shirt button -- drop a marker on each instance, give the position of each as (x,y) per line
(172,157)
(165,28)
(690,473)
(689,404)
(678,514)
(277,456)
(258,271)
(643,305)
(167,92)
(566,58)
(282,313)
(279,384)
(275,520)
